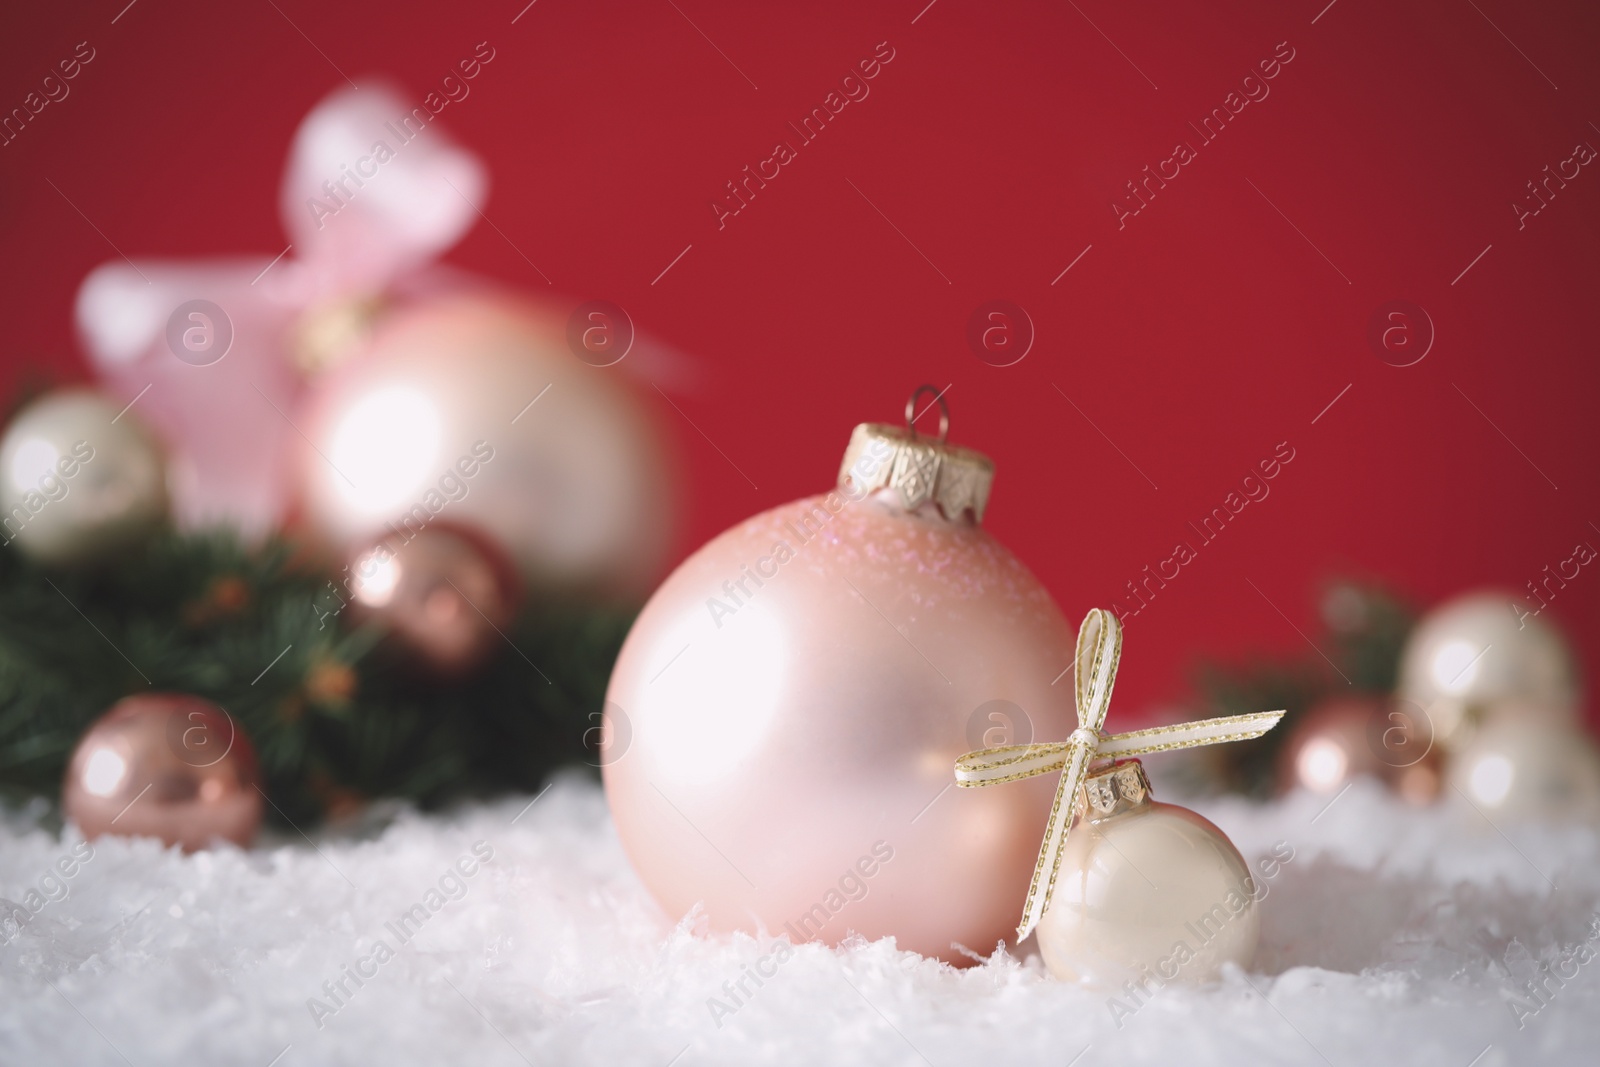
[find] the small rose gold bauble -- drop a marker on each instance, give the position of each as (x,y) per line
(471,408)
(784,715)
(1147,891)
(1346,738)
(445,594)
(165,765)
(1481,650)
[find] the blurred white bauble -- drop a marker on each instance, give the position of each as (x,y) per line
(1481,650)
(1523,765)
(80,479)
(471,408)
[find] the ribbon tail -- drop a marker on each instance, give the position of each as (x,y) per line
(1048,865)
(1098,649)
(1190,734)
(1009,763)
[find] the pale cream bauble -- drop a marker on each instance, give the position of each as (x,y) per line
(1481,650)
(785,711)
(80,479)
(471,409)
(1524,763)
(1146,891)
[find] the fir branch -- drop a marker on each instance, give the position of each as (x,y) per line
(336,715)
(1364,628)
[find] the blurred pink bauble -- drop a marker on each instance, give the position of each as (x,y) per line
(782,723)
(471,408)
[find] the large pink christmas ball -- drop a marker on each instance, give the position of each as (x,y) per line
(472,409)
(784,717)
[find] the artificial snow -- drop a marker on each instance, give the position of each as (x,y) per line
(518,934)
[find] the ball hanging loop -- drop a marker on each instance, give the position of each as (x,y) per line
(913,414)
(919,468)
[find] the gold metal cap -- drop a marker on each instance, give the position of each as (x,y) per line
(1117,787)
(918,468)
(328,332)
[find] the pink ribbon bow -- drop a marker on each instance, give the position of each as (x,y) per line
(370,198)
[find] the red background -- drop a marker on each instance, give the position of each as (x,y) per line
(1197,338)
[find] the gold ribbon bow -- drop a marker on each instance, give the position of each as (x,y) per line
(1099,649)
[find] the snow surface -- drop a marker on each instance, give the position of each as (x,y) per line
(1394,935)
